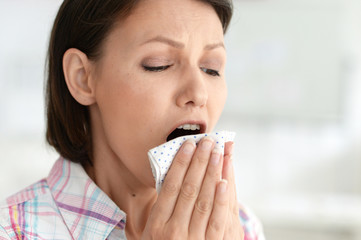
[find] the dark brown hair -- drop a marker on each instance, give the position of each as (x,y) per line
(84,24)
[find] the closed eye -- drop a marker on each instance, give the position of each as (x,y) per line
(156,68)
(211,72)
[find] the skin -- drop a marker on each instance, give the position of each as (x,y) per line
(161,67)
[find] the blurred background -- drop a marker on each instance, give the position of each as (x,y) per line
(294,77)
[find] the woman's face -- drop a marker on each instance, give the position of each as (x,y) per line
(161,67)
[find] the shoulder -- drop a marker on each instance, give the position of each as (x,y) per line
(19,211)
(252,227)
(33,191)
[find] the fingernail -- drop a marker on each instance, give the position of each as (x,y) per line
(189,147)
(222,187)
(216,156)
(207,143)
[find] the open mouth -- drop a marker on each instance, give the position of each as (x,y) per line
(184,130)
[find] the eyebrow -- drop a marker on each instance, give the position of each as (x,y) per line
(180,45)
(214,45)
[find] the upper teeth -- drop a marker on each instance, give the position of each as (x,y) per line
(190,127)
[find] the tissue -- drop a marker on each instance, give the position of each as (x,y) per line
(161,157)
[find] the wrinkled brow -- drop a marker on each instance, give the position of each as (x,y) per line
(180,45)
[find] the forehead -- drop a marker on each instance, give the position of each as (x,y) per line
(183,20)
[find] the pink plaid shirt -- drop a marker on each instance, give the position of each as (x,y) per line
(69,205)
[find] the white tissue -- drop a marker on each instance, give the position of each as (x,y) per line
(161,157)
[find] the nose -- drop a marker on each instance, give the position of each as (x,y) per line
(193,91)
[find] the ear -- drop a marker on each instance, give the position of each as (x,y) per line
(76,67)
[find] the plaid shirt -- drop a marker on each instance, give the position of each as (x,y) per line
(69,205)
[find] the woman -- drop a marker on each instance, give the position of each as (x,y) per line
(123,75)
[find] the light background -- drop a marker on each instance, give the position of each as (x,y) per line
(294,77)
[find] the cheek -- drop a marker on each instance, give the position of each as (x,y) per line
(216,101)
(128,112)
(132,107)
(223,95)
(124,108)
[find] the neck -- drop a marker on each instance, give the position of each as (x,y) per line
(126,190)
(132,197)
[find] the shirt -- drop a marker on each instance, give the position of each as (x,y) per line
(69,205)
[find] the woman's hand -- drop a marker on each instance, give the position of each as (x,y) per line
(234,230)
(194,203)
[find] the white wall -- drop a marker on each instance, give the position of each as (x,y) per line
(294,76)
(24,32)
(295,99)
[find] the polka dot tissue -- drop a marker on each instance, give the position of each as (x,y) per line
(161,157)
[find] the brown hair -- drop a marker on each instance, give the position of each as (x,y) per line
(84,24)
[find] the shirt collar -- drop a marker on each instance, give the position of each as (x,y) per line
(85,208)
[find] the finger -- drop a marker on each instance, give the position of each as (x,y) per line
(228,170)
(228,153)
(217,220)
(230,228)
(228,148)
(237,230)
(192,182)
(234,229)
(168,195)
(228,174)
(204,204)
